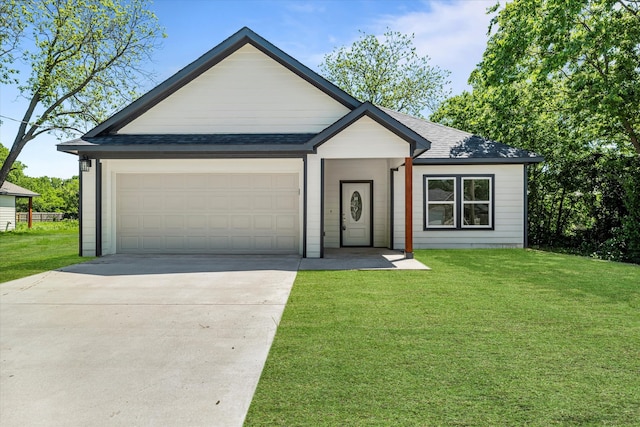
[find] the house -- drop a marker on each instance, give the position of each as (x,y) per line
(8,194)
(247,151)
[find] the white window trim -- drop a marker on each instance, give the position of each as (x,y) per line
(476,202)
(453,203)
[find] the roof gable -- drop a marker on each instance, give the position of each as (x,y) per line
(417,141)
(208,60)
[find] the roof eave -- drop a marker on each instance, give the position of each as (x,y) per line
(478,160)
(182,151)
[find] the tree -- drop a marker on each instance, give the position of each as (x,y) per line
(388,73)
(590,47)
(536,95)
(84,57)
(56,194)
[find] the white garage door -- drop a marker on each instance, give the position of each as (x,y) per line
(207,213)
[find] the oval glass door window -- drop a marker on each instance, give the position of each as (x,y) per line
(356,206)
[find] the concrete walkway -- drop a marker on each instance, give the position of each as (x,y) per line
(362,259)
(142,340)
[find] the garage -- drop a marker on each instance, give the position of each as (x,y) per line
(208,213)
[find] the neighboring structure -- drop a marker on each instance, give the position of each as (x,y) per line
(8,194)
(246,150)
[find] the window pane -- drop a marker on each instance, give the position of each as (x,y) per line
(441,190)
(476,214)
(476,189)
(440,214)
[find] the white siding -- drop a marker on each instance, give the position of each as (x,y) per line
(7,213)
(107,236)
(370,169)
(314,195)
(112,169)
(247,92)
(365,138)
(508,213)
(89,211)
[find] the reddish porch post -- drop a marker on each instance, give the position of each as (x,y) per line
(408,207)
(30,218)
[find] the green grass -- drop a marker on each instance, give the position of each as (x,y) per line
(487,338)
(47,246)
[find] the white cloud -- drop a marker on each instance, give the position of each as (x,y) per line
(453,34)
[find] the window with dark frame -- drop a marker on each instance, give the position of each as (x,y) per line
(458,202)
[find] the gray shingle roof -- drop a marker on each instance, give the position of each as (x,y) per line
(10,189)
(456,146)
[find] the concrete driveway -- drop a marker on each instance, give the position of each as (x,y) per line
(139,340)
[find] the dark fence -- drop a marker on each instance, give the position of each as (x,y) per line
(40,216)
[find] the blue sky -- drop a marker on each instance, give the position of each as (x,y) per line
(452,33)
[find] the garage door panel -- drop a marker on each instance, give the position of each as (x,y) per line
(152,223)
(285,243)
(208,213)
(241,182)
(196,203)
(240,242)
(129,223)
(174,243)
(286,222)
(241,222)
(218,203)
(174,222)
(220,222)
(263,222)
(150,182)
(264,242)
(285,181)
(130,199)
(174,202)
(220,243)
(263,203)
(197,222)
(286,202)
(197,243)
(129,243)
(262,181)
(152,202)
(240,201)
(218,181)
(152,243)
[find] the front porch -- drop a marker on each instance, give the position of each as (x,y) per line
(361,259)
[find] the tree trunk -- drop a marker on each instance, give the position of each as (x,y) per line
(21,139)
(559,219)
(632,134)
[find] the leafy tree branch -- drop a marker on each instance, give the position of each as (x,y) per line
(84,57)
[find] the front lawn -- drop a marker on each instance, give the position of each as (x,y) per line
(47,246)
(488,337)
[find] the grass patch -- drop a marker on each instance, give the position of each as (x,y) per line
(46,246)
(488,337)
